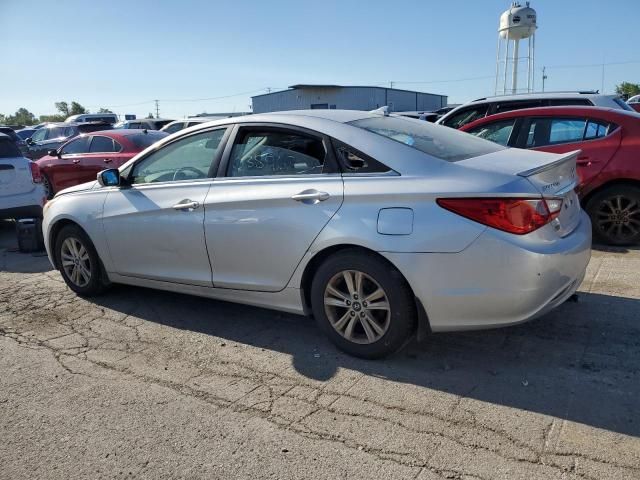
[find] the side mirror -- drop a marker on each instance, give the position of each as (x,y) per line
(54,153)
(29,141)
(109,177)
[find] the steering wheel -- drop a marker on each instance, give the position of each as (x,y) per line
(187,168)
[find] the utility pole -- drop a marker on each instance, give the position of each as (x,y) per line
(390,84)
(602,84)
(157,108)
(544,76)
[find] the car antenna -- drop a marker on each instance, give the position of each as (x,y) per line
(382,110)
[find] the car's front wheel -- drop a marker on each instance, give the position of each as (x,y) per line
(363,304)
(615,215)
(78,262)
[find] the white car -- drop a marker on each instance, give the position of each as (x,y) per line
(483,107)
(21,191)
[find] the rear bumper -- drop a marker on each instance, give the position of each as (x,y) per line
(28,211)
(499,280)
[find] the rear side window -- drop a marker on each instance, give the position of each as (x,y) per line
(354,161)
(597,129)
(560,102)
(144,140)
(442,143)
(518,105)
(498,132)
(174,128)
(551,131)
(8,149)
(276,152)
(100,144)
(622,104)
(468,115)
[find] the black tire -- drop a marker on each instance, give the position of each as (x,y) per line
(399,321)
(97,282)
(615,215)
(48,187)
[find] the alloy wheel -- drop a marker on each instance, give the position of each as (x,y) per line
(357,307)
(618,217)
(75,262)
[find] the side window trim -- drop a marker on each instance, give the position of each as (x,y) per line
(239,129)
(214,163)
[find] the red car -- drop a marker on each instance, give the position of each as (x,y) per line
(80,159)
(608,165)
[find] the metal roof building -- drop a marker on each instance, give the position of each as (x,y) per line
(304,96)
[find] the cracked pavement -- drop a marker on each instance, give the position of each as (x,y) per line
(150,384)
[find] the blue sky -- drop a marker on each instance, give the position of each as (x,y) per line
(123,54)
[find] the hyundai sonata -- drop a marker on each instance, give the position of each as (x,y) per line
(379,226)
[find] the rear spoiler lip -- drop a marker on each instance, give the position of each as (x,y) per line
(565,158)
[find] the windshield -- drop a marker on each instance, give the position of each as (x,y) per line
(441,142)
(144,140)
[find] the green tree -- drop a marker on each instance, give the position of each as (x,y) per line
(67,110)
(21,117)
(104,110)
(628,89)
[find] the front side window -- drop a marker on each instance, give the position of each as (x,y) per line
(100,144)
(442,143)
(465,116)
(40,135)
(56,132)
(75,146)
(498,132)
(189,158)
(276,152)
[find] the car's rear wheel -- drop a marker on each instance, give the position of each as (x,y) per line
(363,304)
(48,188)
(78,262)
(615,215)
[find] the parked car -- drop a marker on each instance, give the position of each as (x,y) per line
(21,192)
(25,133)
(634,102)
(20,143)
(52,135)
(379,225)
(80,159)
(143,123)
(483,107)
(110,118)
(608,167)
(178,125)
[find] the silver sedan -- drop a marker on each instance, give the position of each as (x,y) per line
(379,226)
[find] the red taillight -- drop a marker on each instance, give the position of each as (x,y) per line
(513,215)
(36,176)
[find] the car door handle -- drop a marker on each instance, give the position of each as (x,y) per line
(76,161)
(186,205)
(310,196)
(107,160)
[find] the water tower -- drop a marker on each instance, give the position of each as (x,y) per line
(517,23)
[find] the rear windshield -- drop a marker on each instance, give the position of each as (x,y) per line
(9,132)
(622,103)
(441,142)
(8,149)
(143,140)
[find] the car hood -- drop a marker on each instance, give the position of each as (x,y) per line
(79,188)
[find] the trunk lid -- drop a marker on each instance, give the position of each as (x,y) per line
(553,175)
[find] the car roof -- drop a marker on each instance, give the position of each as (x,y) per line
(596,112)
(520,96)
